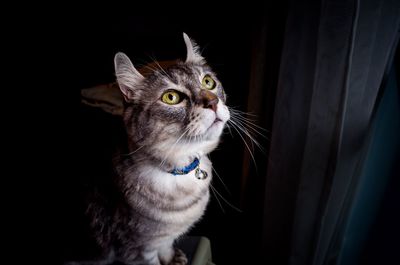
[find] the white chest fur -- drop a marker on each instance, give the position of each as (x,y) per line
(175,199)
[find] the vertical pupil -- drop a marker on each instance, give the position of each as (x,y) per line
(171,97)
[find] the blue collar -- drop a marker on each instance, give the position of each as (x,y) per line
(187,169)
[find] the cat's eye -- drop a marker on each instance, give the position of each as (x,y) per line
(208,82)
(171,97)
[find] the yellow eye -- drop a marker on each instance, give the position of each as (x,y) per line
(171,97)
(208,82)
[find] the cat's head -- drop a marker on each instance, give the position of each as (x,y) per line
(178,112)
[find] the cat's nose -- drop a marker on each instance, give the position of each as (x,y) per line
(209,100)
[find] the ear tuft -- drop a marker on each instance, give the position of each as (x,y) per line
(192,51)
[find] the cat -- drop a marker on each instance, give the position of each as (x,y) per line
(173,118)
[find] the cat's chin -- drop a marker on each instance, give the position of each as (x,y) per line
(215,130)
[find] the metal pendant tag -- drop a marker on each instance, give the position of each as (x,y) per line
(201,174)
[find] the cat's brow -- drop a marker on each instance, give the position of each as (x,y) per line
(184,90)
(199,71)
(178,87)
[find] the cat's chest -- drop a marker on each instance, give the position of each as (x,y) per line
(172,198)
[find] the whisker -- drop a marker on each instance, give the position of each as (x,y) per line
(216,173)
(222,197)
(216,197)
(246,132)
(233,109)
(154,70)
(229,129)
(128,154)
(147,65)
(244,141)
(249,121)
(246,123)
(159,66)
(242,116)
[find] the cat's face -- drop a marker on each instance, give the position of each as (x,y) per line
(178,112)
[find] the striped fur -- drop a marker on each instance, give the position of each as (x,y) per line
(147,207)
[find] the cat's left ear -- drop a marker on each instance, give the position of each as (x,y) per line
(128,77)
(192,51)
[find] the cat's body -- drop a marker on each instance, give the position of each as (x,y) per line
(150,214)
(173,118)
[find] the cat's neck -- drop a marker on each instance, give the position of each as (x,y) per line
(163,163)
(138,156)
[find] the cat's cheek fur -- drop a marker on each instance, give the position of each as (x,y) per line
(223,112)
(204,124)
(215,130)
(203,121)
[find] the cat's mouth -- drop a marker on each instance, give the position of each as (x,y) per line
(216,120)
(215,123)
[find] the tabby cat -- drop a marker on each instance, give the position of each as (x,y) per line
(173,118)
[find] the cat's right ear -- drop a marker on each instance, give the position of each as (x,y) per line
(127,76)
(192,51)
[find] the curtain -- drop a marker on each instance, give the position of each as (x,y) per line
(334,57)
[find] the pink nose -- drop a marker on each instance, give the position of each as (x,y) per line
(209,100)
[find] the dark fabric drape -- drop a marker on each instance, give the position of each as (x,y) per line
(334,57)
(367,231)
(375,38)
